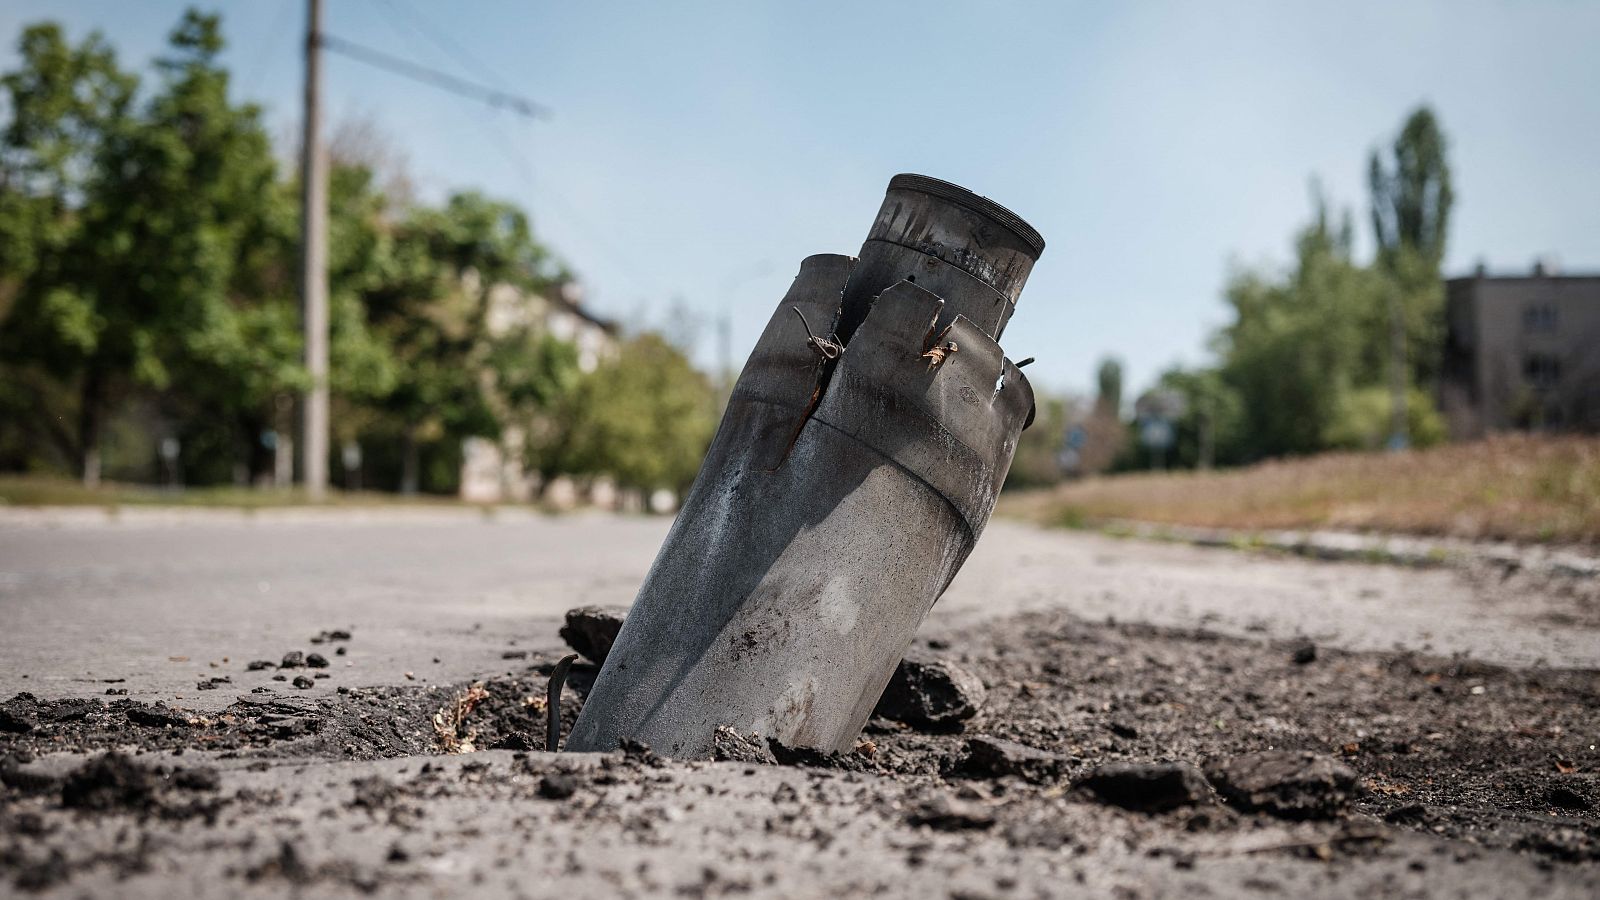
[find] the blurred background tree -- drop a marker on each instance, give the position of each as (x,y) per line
(1309,361)
(644,417)
(148,256)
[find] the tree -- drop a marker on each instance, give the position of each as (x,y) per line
(1210,430)
(1109,380)
(1299,342)
(65,103)
(152,283)
(644,417)
(1411,201)
(430,306)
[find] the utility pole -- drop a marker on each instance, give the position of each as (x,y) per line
(314,271)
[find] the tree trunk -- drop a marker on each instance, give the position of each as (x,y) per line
(409,463)
(89,415)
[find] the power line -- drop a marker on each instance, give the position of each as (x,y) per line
(503,142)
(406,68)
(540,189)
(441,39)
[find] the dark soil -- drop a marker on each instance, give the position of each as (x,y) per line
(1166,723)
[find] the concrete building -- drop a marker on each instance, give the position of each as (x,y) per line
(493,471)
(1521,352)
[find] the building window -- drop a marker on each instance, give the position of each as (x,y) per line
(1541,370)
(1539,317)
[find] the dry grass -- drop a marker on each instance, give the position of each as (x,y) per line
(1513,487)
(449,721)
(43,490)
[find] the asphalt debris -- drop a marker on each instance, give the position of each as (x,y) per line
(591,630)
(992,757)
(1146,787)
(1292,784)
(931,695)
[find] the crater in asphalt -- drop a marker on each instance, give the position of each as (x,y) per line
(1121,718)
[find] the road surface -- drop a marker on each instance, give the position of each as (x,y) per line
(1479,781)
(156,597)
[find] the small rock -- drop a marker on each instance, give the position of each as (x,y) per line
(1292,784)
(947,814)
(294,659)
(1303,653)
(990,757)
(516,740)
(558,786)
(514,654)
(280,677)
(591,630)
(302,682)
(1123,729)
(316,661)
(256,665)
(156,716)
(339,634)
(339,651)
(16,723)
(931,695)
(1147,787)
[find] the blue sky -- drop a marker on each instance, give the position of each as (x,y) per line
(698,151)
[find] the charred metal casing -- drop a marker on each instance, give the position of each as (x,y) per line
(841,494)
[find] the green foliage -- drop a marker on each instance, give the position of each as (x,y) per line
(140,226)
(1298,342)
(1361,420)
(1109,379)
(1411,199)
(1304,365)
(149,264)
(1411,202)
(1213,419)
(644,417)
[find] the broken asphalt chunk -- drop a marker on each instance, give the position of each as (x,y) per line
(1292,784)
(591,630)
(991,757)
(931,695)
(1147,787)
(156,716)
